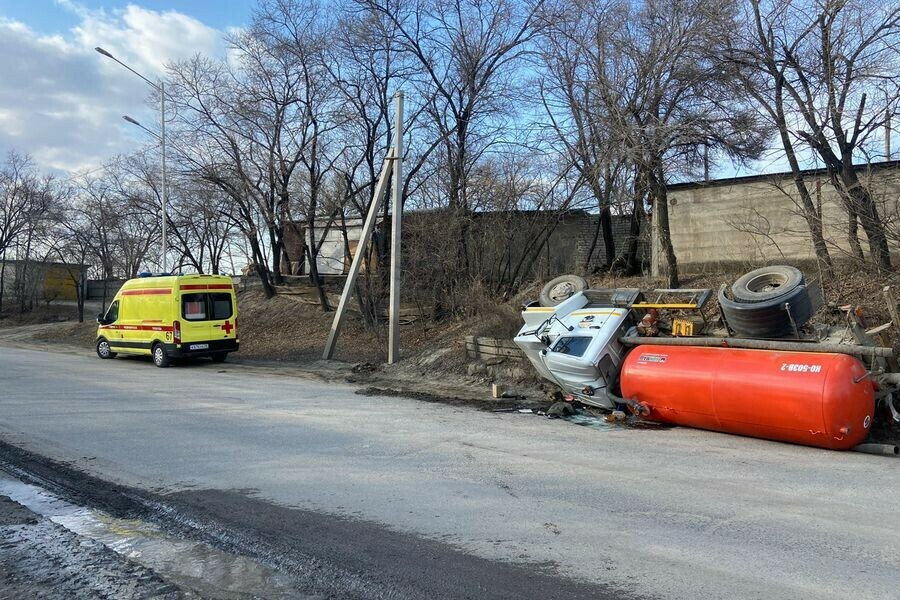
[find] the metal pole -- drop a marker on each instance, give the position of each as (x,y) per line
(162,140)
(350,284)
(654,243)
(396,230)
(887,129)
(751,344)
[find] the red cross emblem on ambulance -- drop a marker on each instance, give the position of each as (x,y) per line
(227,327)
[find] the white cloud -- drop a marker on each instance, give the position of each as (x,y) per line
(62,102)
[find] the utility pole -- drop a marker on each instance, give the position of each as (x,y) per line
(160,87)
(396,231)
(162,140)
(887,128)
(364,237)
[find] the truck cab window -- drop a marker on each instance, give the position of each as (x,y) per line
(112,315)
(573,346)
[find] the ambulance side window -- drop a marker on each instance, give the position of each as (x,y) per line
(112,315)
(221,306)
(193,307)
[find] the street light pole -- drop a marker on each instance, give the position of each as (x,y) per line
(162,144)
(161,88)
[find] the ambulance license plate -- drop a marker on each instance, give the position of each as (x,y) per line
(199,347)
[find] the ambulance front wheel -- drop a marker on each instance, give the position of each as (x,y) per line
(103,349)
(160,356)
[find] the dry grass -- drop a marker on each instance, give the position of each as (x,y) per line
(282,328)
(71,333)
(40,314)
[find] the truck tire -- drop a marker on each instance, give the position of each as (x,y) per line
(767,283)
(561,289)
(767,318)
(160,356)
(219,357)
(103,349)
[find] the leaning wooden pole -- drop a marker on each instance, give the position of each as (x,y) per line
(358,257)
(396,230)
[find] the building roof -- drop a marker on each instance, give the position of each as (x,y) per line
(688,185)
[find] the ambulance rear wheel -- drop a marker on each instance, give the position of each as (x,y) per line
(219,358)
(160,356)
(103,349)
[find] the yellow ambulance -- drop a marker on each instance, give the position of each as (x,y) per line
(171,316)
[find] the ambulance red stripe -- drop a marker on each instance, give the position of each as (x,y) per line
(205,286)
(148,292)
(138,327)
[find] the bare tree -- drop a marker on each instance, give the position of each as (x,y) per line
(829,58)
(471,53)
(763,74)
(253,127)
(27,200)
(577,116)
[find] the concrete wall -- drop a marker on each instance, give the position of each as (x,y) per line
(757,220)
(565,252)
(43,281)
(96,288)
(621,230)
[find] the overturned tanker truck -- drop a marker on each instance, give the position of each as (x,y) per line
(754,370)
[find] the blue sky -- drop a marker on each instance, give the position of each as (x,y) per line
(62,103)
(49,16)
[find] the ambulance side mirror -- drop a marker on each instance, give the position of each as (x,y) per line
(100,319)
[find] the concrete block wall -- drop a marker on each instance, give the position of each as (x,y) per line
(758,220)
(621,229)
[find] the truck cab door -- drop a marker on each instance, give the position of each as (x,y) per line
(110,325)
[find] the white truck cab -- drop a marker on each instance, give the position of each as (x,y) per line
(576,343)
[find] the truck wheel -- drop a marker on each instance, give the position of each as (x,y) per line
(767,283)
(561,289)
(220,357)
(103,349)
(160,356)
(768,318)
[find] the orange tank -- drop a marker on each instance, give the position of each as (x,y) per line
(814,399)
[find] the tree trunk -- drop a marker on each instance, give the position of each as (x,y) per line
(632,265)
(80,290)
(853,232)
(811,214)
(276,240)
(260,266)
(867,213)
(661,215)
(2,278)
(316,278)
(590,254)
(356,289)
(608,242)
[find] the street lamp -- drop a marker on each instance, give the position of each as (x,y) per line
(136,122)
(161,88)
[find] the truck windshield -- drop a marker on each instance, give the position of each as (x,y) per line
(206,307)
(573,346)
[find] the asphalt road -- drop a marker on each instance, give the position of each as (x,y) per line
(671,513)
